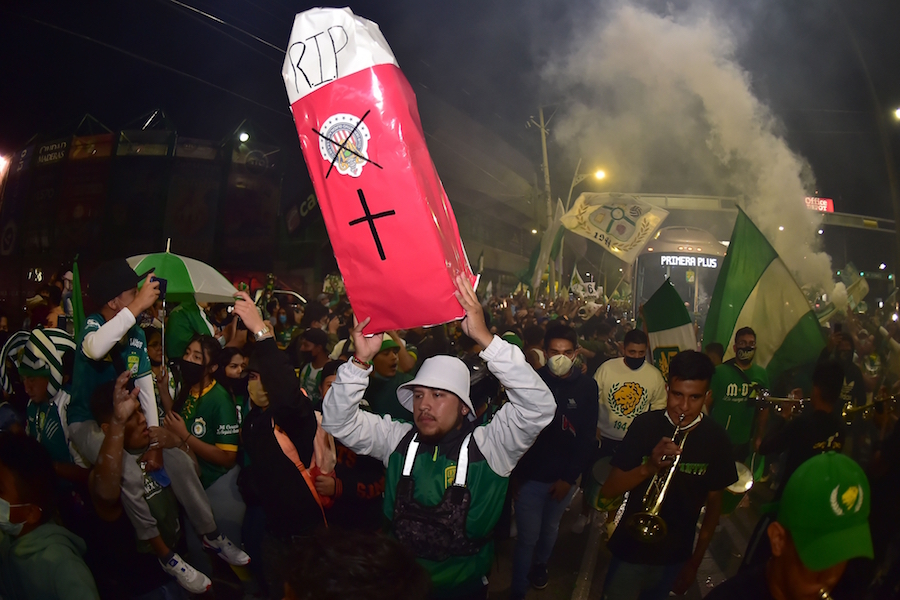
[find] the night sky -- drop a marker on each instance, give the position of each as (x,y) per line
(481,57)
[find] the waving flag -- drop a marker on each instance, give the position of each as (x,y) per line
(755,289)
(621,223)
(669,326)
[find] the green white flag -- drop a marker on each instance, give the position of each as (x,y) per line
(669,326)
(755,289)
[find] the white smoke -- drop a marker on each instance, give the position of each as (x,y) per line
(662,103)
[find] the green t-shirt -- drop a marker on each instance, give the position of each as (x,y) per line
(164,508)
(382,396)
(732,408)
(212,419)
(87,374)
(44,426)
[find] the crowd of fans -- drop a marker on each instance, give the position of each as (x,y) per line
(156,460)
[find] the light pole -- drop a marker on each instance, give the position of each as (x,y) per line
(576,179)
(542,125)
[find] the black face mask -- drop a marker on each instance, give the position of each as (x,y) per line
(304,356)
(236,385)
(634,363)
(191,373)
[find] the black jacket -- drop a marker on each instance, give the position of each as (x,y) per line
(288,502)
(566,445)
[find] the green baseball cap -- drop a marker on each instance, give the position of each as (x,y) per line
(825,507)
(512,338)
(387,342)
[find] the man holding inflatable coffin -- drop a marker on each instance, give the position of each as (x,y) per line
(365,149)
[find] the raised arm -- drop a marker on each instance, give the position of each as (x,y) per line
(105,479)
(531,405)
(97,344)
(362,432)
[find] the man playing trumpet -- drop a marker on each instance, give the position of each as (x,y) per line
(644,568)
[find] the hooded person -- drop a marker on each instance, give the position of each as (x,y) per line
(446,478)
(278,434)
(38,558)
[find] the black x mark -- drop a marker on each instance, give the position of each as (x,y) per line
(344,143)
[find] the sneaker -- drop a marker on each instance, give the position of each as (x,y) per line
(187,576)
(580,523)
(538,577)
(227,551)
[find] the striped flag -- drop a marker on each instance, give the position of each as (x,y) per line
(45,351)
(11,355)
(756,289)
(669,326)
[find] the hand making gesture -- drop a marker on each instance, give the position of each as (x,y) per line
(473,324)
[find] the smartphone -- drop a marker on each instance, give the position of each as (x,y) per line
(162,285)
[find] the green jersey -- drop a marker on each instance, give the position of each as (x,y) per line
(732,407)
(382,396)
(212,419)
(88,374)
(45,426)
(434,470)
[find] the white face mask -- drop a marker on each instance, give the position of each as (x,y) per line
(560,365)
(6,527)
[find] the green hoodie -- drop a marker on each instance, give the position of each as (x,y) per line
(45,564)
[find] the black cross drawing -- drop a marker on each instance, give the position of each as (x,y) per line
(342,144)
(371,220)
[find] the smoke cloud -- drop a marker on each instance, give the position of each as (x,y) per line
(661,101)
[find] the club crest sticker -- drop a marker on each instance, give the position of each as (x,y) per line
(199,427)
(343,142)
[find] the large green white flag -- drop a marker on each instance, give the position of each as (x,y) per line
(756,289)
(669,326)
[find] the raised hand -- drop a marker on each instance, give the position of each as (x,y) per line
(146,296)
(247,311)
(366,347)
(124,402)
(473,324)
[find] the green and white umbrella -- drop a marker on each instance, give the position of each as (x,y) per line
(188,278)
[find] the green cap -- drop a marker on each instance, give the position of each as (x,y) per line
(387,342)
(513,339)
(825,507)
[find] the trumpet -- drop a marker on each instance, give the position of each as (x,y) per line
(824,595)
(646,524)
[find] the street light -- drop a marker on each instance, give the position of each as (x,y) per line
(897,114)
(244,136)
(601,174)
(882,267)
(781,228)
(533,231)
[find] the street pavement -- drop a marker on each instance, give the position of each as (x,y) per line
(578,565)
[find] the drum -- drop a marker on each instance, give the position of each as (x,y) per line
(599,472)
(735,492)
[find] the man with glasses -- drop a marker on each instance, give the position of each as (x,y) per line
(544,480)
(732,387)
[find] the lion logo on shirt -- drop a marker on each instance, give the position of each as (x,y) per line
(628,398)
